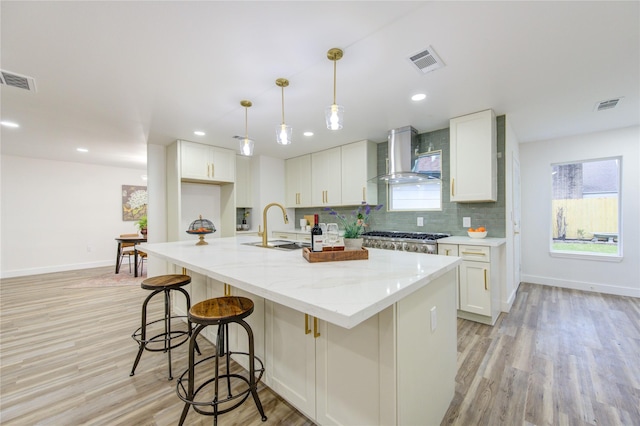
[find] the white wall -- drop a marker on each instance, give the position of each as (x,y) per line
(512,276)
(602,276)
(59,216)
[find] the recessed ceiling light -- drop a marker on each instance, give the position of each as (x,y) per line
(418,97)
(308,133)
(199,133)
(82,150)
(9,124)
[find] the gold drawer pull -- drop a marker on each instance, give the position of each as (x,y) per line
(474,253)
(485,279)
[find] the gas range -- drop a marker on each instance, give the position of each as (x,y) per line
(418,242)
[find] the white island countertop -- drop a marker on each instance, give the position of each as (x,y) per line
(343,293)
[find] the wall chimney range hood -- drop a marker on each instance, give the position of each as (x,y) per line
(400,158)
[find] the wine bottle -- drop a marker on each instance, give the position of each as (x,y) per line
(316,235)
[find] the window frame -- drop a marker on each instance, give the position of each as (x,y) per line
(390,187)
(617,257)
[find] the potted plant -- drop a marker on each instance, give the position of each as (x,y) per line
(142,225)
(354,225)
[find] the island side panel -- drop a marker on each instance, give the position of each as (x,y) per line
(426,359)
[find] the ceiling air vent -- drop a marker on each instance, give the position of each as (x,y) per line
(427,60)
(15,80)
(608,104)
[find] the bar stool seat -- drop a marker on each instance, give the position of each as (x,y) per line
(220,311)
(166,339)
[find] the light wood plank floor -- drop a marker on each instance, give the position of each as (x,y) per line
(559,357)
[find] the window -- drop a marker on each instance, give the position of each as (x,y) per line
(425,195)
(585,208)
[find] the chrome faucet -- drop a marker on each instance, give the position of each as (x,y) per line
(264,234)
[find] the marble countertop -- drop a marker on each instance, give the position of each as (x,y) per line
(489,241)
(343,293)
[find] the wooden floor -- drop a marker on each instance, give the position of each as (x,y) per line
(559,357)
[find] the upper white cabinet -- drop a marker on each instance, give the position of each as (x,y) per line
(298,181)
(243,182)
(326,177)
(473,162)
(359,165)
(208,163)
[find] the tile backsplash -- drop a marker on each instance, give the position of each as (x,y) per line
(449,220)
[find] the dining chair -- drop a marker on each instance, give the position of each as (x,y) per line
(127,249)
(142,256)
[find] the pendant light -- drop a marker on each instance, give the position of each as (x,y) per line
(246,144)
(334,114)
(283,132)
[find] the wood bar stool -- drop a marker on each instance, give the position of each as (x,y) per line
(167,339)
(220,311)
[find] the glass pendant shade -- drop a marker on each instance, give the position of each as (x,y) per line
(283,134)
(334,114)
(246,147)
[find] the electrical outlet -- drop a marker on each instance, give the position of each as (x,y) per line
(434,319)
(420,221)
(89,249)
(466,222)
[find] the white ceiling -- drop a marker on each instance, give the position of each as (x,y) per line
(114,76)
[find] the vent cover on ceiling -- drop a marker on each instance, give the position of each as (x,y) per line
(426,60)
(15,80)
(608,104)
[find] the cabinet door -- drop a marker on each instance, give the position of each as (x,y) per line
(359,165)
(326,177)
(298,181)
(473,162)
(243,182)
(475,288)
(290,356)
(348,368)
(195,161)
(223,165)
(238,339)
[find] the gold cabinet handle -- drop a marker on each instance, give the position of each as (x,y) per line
(316,333)
(474,253)
(485,279)
(453,191)
(364,193)
(184,271)
(213,170)
(307,329)
(446,252)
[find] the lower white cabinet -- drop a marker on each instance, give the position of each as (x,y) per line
(479,280)
(452,250)
(396,368)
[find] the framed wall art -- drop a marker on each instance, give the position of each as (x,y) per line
(134,202)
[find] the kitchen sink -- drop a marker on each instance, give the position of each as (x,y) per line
(282,244)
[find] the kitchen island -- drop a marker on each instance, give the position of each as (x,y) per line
(353,342)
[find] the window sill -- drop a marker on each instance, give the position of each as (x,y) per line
(587,256)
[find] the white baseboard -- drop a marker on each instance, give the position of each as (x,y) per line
(581,285)
(56,268)
(507,304)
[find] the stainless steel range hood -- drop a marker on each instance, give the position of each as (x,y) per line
(400,157)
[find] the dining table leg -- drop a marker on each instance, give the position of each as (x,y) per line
(135,261)
(118,254)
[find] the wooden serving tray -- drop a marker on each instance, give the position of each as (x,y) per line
(333,256)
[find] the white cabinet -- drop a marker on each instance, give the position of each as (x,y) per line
(244,194)
(326,177)
(359,165)
(473,162)
(295,236)
(199,162)
(329,373)
(480,276)
(298,181)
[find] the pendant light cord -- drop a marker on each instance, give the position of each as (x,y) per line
(282,104)
(334,81)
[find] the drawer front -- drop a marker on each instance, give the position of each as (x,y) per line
(475,253)
(284,235)
(448,249)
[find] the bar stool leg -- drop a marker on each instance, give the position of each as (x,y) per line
(167,329)
(143,337)
(252,370)
(191,381)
